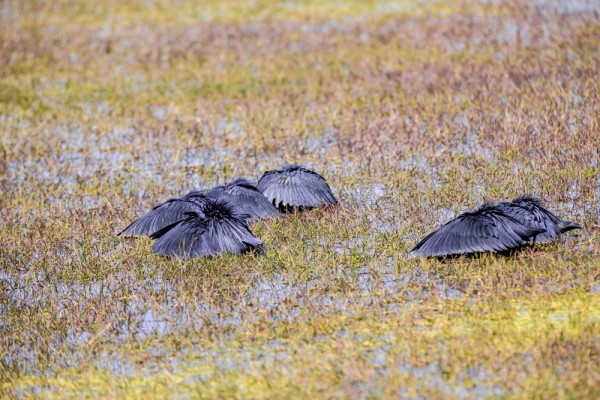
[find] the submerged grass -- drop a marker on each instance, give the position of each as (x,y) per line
(414,111)
(419,348)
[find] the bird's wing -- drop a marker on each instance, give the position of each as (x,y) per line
(296,188)
(475,232)
(181,239)
(542,212)
(529,211)
(538,211)
(162,215)
(201,237)
(245,198)
(233,236)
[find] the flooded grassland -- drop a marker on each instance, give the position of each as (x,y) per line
(414,111)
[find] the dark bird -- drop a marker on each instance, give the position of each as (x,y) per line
(245,198)
(529,211)
(293,187)
(217,229)
(165,214)
(487,229)
(241,194)
(495,227)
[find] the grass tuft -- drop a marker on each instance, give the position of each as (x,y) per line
(414,111)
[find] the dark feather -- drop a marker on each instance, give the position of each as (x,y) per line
(218,229)
(245,198)
(293,187)
(165,214)
(529,211)
(487,229)
(566,226)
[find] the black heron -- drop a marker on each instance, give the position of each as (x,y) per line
(529,211)
(245,198)
(495,227)
(165,214)
(218,228)
(241,194)
(486,229)
(293,187)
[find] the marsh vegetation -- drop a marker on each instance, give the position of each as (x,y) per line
(415,111)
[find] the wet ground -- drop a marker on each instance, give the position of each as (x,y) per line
(413,111)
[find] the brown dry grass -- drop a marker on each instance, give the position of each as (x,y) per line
(413,111)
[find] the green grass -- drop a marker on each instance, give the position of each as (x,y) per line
(414,111)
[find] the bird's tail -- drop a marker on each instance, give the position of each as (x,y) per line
(566,226)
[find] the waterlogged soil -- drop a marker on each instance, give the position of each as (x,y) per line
(413,111)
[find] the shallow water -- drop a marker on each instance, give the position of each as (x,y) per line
(413,119)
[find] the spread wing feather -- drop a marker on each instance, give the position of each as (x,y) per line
(485,230)
(529,211)
(533,216)
(245,198)
(295,187)
(207,234)
(165,214)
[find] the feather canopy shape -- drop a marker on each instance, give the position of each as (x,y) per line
(217,229)
(495,227)
(245,198)
(529,211)
(487,229)
(165,214)
(293,187)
